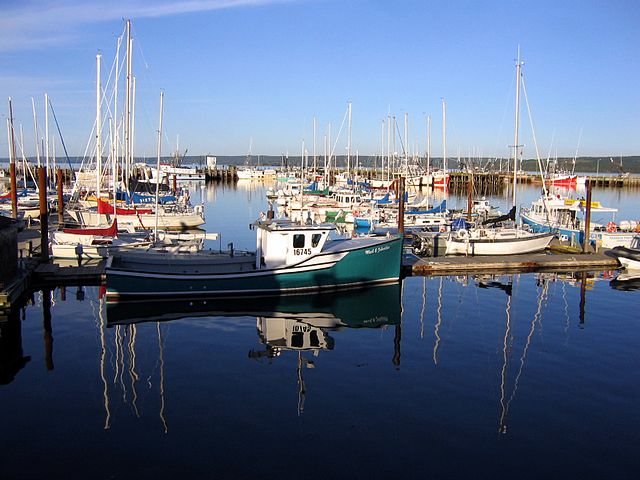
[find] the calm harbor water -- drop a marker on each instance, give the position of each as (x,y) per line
(511,376)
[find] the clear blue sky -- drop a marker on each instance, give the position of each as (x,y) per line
(261,69)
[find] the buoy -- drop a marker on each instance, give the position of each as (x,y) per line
(612,227)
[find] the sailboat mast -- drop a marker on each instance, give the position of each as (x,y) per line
(444,135)
(349,145)
(517,129)
(428,143)
(35,126)
(406,140)
(381,151)
(158,164)
(314,146)
(98,124)
(127,107)
(46,132)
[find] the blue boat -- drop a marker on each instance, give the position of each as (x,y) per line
(289,259)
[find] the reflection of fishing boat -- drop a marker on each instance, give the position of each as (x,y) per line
(289,259)
(370,307)
(300,323)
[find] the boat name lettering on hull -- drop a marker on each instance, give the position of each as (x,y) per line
(376,250)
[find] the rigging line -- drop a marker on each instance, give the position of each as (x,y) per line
(535,143)
(338,137)
(66,154)
(400,138)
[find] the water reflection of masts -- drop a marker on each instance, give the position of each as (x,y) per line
(132,367)
(424,304)
(438,324)
(161,357)
(47,330)
(505,357)
(536,320)
(301,386)
(103,357)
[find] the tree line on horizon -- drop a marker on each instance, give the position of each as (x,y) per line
(602,164)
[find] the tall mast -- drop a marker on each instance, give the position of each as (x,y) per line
(388,144)
(115,102)
(406,139)
(133,123)
(444,136)
(127,108)
(349,144)
(12,166)
(314,145)
(517,127)
(98,124)
(46,131)
(158,164)
(381,150)
(394,129)
(35,126)
(428,143)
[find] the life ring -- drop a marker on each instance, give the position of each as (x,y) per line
(442,229)
(612,227)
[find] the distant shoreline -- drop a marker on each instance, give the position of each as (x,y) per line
(589,165)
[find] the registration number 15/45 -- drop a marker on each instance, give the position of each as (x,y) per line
(302,251)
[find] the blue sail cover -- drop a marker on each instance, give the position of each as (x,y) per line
(460,223)
(384,200)
(145,199)
(439,209)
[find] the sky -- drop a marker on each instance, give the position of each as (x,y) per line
(255,73)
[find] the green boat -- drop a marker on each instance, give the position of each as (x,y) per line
(289,259)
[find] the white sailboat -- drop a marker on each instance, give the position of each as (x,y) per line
(489,239)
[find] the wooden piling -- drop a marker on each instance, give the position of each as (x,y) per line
(587,222)
(401,206)
(59,185)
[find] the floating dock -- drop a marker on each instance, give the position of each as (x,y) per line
(533,262)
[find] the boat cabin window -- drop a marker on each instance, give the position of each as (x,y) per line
(298,240)
(315,239)
(297,339)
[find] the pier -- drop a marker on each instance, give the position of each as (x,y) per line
(33,273)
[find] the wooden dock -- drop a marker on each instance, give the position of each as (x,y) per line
(56,274)
(413,265)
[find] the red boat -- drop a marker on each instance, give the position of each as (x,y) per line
(562,179)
